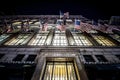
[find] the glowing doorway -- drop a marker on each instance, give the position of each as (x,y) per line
(56,70)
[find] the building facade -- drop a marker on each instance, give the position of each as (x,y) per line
(46,47)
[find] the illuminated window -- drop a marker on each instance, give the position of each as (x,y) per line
(116,37)
(92,31)
(39,39)
(21,39)
(81,40)
(60,71)
(37,22)
(60,39)
(17,23)
(3,37)
(103,40)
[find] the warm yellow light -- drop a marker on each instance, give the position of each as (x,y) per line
(60,71)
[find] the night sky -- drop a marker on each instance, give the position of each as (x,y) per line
(91,9)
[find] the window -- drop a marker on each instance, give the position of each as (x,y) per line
(60,71)
(21,39)
(88,58)
(31,58)
(103,40)
(115,36)
(81,40)
(3,37)
(118,56)
(60,40)
(19,57)
(1,55)
(39,39)
(101,58)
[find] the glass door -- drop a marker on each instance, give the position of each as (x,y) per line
(59,71)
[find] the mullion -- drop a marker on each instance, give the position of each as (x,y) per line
(52,71)
(67,71)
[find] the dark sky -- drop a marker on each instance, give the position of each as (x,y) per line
(92,9)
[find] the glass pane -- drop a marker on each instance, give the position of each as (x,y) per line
(81,40)
(31,58)
(48,71)
(60,71)
(88,58)
(19,57)
(39,39)
(103,40)
(101,58)
(19,40)
(3,37)
(60,39)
